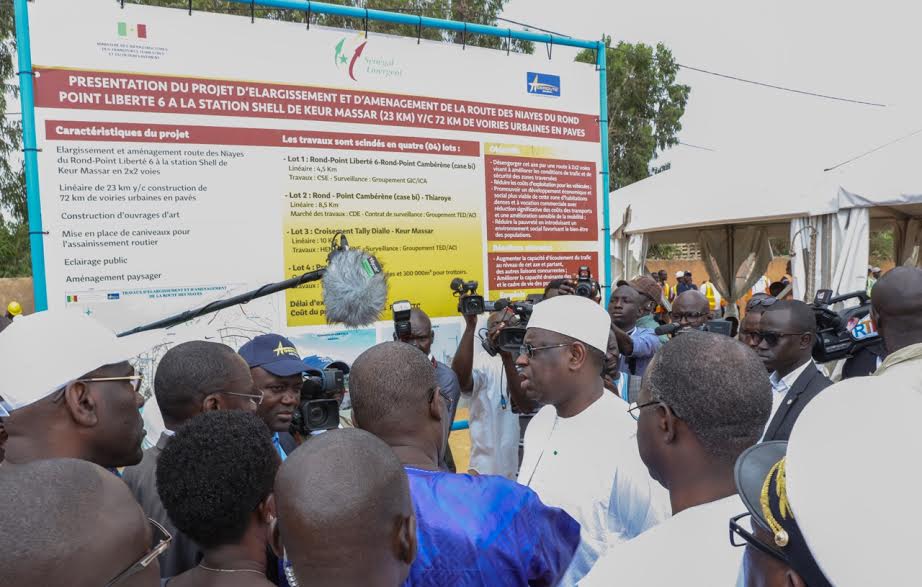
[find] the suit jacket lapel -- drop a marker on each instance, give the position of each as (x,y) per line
(800,385)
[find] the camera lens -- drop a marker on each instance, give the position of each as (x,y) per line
(316,417)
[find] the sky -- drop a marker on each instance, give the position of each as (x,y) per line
(858,50)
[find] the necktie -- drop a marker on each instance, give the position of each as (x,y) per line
(278,446)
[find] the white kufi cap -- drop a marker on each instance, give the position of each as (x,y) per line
(43,352)
(573,316)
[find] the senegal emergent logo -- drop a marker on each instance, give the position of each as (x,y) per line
(284,350)
(342,57)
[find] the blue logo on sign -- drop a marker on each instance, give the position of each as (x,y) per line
(113,296)
(543,84)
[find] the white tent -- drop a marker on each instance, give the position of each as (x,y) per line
(731,205)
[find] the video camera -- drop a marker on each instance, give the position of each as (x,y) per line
(469,303)
(719,326)
(511,337)
(319,408)
(842,334)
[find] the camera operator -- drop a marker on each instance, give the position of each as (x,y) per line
(493,385)
(896,308)
(421,336)
(278,373)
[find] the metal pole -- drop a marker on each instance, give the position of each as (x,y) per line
(243,298)
(417,20)
(30,154)
(606,179)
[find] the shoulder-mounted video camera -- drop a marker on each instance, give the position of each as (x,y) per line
(319,407)
(511,337)
(842,334)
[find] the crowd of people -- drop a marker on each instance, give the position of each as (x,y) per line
(684,457)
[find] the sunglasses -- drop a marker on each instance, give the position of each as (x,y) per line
(771,338)
(162,539)
(764,302)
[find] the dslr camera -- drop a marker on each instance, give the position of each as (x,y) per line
(319,408)
(401,311)
(585,286)
(842,334)
(469,303)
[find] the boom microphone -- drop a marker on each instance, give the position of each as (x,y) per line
(354,286)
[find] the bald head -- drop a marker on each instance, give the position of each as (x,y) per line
(70,522)
(344,510)
(691,309)
(897,304)
(389,385)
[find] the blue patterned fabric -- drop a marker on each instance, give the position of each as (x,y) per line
(486,530)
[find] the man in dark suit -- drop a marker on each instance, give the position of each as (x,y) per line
(191,378)
(785,340)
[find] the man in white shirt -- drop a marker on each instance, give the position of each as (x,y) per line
(784,342)
(703,401)
(580,454)
(493,385)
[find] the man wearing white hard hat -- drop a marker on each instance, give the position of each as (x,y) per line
(79,402)
(580,449)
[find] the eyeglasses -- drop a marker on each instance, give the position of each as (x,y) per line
(739,536)
(678,317)
(771,338)
(136,379)
(529,350)
(256,398)
(279,389)
(634,408)
(162,538)
(444,394)
(766,302)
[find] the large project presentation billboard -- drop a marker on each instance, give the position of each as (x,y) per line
(185,158)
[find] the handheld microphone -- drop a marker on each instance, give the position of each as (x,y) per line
(668,329)
(354,286)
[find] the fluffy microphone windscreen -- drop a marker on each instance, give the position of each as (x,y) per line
(354,288)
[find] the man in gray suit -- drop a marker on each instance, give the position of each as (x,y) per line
(192,378)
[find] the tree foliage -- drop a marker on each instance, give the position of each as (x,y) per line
(472,11)
(14,230)
(645,107)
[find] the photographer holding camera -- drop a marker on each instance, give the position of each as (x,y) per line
(493,385)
